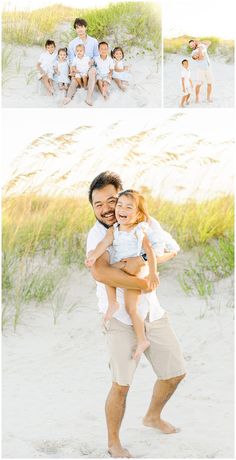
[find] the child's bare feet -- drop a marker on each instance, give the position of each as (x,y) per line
(141,347)
(66,100)
(112,308)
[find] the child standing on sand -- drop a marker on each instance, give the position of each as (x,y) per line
(186,83)
(104,67)
(61,69)
(45,65)
(128,238)
(120,73)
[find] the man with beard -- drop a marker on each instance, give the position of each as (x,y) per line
(164,353)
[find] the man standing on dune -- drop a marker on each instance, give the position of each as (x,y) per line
(91,50)
(164,353)
(204,70)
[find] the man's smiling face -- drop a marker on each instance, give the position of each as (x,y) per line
(104,202)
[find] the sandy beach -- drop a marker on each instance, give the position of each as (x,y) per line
(56,378)
(223,84)
(22,89)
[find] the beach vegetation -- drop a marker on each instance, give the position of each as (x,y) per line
(44,236)
(127,20)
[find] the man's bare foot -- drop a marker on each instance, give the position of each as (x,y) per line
(142,346)
(119,452)
(210,100)
(161,425)
(66,100)
(196,101)
(113,307)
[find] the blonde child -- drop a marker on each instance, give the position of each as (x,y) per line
(186,83)
(61,69)
(79,70)
(104,67)
(45,65)
(120,73)
(128,238)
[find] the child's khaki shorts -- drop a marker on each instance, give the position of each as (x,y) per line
(164,353)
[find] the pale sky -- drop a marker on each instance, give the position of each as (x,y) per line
(17,136)
(199,18)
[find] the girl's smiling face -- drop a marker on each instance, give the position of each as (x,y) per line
(126,211)
(118,55)
(62,56)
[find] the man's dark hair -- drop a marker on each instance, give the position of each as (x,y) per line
(191,40)
(80,22)
(102,43)
(50,42)
(104,179)
(184,60)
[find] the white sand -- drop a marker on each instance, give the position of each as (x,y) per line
(223,84)
(56,379)
(144,89)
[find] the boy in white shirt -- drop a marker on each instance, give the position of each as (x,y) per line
(186,83)
(104,68)
(45,65)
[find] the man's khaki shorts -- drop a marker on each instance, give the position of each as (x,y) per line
(164,353)
(204,76)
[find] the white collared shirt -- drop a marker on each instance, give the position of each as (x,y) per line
(148,302)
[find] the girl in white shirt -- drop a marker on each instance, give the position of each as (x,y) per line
(80,66)
(104,67)
(61,69)
(127,238)
(120,73)
(45,65)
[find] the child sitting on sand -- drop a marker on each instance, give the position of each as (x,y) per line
(45,65)
(129,237)
(186,83)
(61,69)
(120,73)
(79,69)
(104,67)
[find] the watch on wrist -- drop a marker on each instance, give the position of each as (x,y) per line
(144,256)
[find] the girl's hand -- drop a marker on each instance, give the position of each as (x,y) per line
(126,67)
(154,281)
(90,260)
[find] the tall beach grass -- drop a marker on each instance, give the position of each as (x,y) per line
(139,24)
(218,47)
(44,238)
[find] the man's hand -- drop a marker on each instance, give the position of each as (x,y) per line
(133,265)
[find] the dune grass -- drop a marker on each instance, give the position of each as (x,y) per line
(43,237)
(218,47)
(139,22)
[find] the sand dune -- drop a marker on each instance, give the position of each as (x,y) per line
(56,379)
(223,87)
(22,89)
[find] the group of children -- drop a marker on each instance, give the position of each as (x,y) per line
(53,66)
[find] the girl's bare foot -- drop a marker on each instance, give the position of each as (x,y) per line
(112,308)
(66,100)
(141,347)
(89,102)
